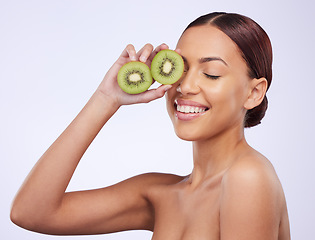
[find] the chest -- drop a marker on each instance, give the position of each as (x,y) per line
(182,214)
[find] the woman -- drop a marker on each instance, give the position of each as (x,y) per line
(233,191)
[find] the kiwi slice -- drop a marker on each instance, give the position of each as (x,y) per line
(167,67)
(134,77)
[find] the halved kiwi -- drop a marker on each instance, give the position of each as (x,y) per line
(134,77)
(167,67)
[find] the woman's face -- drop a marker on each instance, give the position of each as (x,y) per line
(209,98)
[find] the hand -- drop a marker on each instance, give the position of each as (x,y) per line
(110,88)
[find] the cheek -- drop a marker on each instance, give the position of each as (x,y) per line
(236,103)
(241,92)
(227,99)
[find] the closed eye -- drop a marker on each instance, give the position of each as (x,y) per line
(214,77)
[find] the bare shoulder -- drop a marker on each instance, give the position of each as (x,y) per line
(153,180)
(252,169)
(252,201)
(253,174)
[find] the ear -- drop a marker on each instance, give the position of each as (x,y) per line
(258,88)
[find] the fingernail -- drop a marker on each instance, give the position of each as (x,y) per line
(143,59)
(133,58)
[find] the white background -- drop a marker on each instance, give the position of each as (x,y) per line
(53,55)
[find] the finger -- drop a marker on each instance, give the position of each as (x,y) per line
(153,94)
(163,46)
(129,52)
(178,51)
(145,52)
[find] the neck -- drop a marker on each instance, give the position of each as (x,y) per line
(213,156)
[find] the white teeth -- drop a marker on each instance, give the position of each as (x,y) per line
(189,109)
(180,108)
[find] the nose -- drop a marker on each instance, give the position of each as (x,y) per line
(188,85)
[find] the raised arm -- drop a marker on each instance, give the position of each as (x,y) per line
(42,205)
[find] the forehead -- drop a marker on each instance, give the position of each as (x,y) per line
(208,41)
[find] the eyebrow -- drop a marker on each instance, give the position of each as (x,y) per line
(209,59)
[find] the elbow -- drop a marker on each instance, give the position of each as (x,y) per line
(20,217)
(32,220)
(17,216)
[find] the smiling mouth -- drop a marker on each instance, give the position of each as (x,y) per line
(189,109)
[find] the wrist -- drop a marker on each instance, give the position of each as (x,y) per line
(97,111)
(106,102)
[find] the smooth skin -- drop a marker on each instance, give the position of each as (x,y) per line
(233,192)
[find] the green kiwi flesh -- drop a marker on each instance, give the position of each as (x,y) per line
(167,67)
(134,77)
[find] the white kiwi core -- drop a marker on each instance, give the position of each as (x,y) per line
(167,67)
(135,77)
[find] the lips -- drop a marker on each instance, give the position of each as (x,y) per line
(188,110)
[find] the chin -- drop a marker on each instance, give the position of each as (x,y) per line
(188,134)
(188,131)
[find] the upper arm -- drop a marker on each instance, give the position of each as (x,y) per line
(123,206)
(249,204)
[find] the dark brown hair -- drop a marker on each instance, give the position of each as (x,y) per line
(255,47)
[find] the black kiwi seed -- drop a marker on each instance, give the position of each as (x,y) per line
(134,77)
(167,67)
(162,66)
(138,73)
